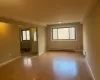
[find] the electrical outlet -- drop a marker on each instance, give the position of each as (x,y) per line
(84,54)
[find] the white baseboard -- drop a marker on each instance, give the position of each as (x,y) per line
(80,51)
(4,63)
(90,69)
(40,54)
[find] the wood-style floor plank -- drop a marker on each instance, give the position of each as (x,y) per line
(50,66)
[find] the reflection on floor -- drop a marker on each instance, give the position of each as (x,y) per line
(50,66)
(59,66)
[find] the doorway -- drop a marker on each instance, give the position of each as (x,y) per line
(28,42)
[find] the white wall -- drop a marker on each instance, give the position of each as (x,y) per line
(76,44)
(9,42)
(91,36)
(41,40)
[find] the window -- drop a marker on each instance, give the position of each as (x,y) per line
(25,35)
(35,37)
(63,33)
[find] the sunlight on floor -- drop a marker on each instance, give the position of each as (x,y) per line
(65,67)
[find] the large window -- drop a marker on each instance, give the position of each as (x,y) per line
(63,33)
(25,35)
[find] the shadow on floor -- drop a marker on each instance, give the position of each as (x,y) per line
(28,54)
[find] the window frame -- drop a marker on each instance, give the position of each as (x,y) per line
(26,35)
(63,39)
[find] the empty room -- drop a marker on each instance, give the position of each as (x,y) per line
(49,39)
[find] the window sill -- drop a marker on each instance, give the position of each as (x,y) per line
(64,40)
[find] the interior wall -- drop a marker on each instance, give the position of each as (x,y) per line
(91,40)
(65,44)
(9,42)
(41,40)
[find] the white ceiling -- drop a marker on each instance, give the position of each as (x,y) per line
(45,11)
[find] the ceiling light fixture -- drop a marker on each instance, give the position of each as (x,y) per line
(59,22)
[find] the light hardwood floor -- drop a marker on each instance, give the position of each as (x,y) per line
(50,66)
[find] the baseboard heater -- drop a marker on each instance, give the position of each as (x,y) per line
(65,50)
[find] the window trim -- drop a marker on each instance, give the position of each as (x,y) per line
(63,39)
(26,34)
